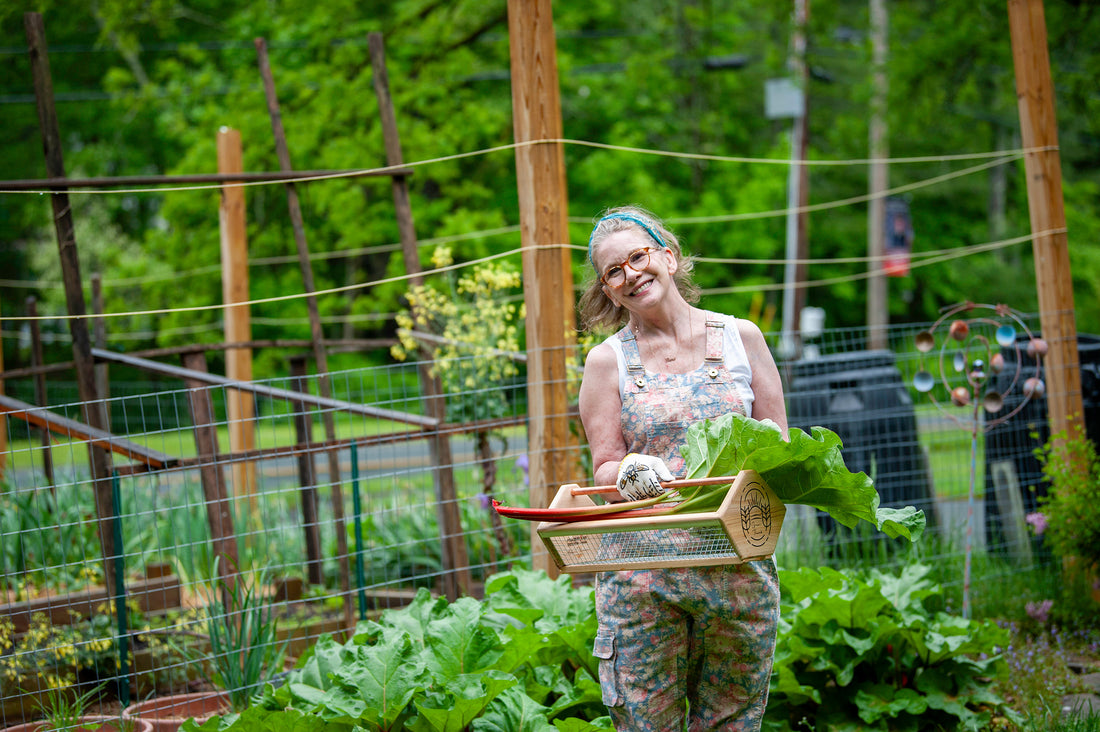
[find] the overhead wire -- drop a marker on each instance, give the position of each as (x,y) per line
(992,159)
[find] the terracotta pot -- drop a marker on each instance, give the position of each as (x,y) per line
(104,724)
(167,713)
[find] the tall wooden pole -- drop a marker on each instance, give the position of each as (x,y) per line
(3,422)
(456,571)
(99,458)
(547,281)
(40,398)
(1039,135)
(878,304)
(239,405)
(316,334)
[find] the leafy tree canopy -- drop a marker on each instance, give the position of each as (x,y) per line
(143,86)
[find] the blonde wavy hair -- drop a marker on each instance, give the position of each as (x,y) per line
(597,310)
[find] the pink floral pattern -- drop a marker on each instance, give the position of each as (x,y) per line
(700,635)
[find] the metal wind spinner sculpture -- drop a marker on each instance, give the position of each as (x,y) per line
(969,362)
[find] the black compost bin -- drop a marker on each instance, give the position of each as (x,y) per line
(1010,446)
(862,397)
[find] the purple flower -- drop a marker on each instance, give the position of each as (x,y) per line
(484,499)
(524,463)
(1038,522)
(1039,611)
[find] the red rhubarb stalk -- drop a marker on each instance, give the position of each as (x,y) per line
(646,507)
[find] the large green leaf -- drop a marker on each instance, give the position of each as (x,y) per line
(577,698)
(415,617)
(459,644)
(880,701)
(513,711)
(258,719)
(463,700)
(327,657)
(807,469)
(378,683)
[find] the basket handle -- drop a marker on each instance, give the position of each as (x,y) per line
(684,483)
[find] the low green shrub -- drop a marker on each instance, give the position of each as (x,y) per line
(519,660)
(867,650)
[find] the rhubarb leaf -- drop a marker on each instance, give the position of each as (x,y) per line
(807,469)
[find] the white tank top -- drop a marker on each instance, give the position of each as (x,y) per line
(737,360)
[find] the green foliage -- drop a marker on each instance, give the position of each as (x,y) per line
(519,660)
(46,540)
(402,550)
(477,321)
(1072,506)
(870,650)
(62,710)
(244,650)
(1037,676)
(808,469)
(55,657)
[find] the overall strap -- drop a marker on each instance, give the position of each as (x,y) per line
(716,340)
(634,369)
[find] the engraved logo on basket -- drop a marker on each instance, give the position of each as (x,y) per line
(756,515)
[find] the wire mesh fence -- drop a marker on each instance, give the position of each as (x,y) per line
(323,543)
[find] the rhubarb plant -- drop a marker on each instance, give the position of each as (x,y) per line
(875,651)
(520,660)
(807,468)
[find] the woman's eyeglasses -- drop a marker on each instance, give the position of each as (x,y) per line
(615,275)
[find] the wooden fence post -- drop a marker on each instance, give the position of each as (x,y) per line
(544,227)
(1043,168)
(239,405)
(320,358)
(40,386)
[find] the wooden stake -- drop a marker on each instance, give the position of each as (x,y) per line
(218,513)
(319,356)
(307,475)
(3,423)
(544,226)
(1039,134)
(40,386)
(239,405)
(99,338)
(99,459)
(456,574)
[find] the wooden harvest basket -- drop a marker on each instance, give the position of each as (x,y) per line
(746,526)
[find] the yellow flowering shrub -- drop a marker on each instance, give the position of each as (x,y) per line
(473,334)
(49,656)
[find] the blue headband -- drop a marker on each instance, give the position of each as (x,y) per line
(624,217)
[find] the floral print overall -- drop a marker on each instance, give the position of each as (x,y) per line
(704,635)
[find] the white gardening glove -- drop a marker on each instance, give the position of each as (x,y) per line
(640,476)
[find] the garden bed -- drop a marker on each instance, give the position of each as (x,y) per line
(151,594)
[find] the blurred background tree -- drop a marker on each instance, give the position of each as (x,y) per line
(143,87)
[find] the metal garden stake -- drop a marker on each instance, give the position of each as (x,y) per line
(968,361)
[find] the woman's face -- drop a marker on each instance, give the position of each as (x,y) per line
(639,289)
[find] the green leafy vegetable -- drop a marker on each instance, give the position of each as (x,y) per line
(807,469)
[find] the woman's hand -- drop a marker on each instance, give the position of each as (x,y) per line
(640,476)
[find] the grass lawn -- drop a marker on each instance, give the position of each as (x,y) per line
(949,448)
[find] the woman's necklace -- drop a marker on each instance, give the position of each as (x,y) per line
(669,357)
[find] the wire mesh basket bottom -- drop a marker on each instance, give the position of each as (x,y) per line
(701,544)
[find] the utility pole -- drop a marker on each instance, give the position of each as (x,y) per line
(878,308)
(788,98)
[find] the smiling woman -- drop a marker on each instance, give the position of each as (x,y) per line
(672,365)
